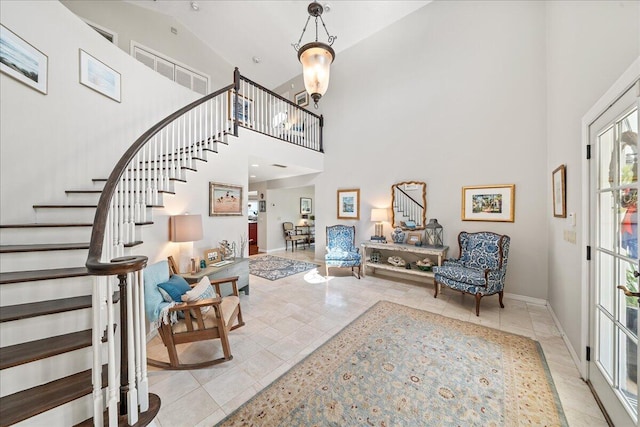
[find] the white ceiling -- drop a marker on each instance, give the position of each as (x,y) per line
(240,30)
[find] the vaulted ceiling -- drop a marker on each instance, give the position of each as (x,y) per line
(241,30)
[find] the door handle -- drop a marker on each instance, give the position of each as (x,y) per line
(628,293)
(635,273)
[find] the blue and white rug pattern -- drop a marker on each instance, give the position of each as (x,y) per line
(274,268)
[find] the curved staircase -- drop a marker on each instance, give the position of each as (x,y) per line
(70,288)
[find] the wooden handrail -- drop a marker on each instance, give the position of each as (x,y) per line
(129,264)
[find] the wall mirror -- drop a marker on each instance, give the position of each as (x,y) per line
(409,205)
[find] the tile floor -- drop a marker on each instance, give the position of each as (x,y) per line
(287,319)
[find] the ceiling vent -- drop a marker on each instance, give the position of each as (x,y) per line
(278,166)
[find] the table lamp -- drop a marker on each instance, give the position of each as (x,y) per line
(185,229)
(378,216)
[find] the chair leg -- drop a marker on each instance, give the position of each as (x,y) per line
(435,285)
(500,295)
(359,272)
(326,267)
(478,297)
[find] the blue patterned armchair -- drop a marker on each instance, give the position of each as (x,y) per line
(481,268)
(341,249)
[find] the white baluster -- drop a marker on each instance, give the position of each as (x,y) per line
(132,393)
(141,345)
(96,345)
(113,387)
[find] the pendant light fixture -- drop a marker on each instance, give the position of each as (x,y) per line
(316,57)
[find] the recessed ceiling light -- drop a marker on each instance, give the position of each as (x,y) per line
(255,165)
(195,6)
(252,176)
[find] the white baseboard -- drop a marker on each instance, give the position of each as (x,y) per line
(524,298)
(572,351)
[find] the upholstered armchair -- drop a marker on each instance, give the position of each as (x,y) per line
(481,268)
(293,236)
(341,249)
(184,314)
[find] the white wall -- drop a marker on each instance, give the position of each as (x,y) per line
(283,205)
(61,140)
(452,95)
(589,45)
(153,30)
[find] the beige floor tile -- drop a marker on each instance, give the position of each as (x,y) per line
(287,319)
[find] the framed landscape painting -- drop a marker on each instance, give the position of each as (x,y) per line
(224,199)
(489,203)
(23,62)
(349,204)
(98,76)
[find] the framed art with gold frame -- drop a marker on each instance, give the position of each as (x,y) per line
(212,255)
(559,192)
(413,238)
(349,204)
(489,203)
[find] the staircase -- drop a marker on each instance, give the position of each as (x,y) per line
(71,293)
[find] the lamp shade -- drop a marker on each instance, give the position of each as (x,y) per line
(316,59)
(379,215)
(185,228)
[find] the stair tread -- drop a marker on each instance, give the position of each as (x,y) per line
(36,400)
(38,247)
(144,418)
(83,191)
(40,349)
(45,225)
(41,308)
(33,275)
(62,205)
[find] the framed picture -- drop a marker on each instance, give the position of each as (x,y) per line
(349,204)
(22,61)
(212,255)
(413,238)
(224,199)
(96,75)
(559,192)
(302,99)
(489,203)
(243,105)
(305,205)
(262,206)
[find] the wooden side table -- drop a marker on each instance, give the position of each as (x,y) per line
(239,267)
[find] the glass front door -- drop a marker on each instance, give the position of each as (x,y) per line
(613,369)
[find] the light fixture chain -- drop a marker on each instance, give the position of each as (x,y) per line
(330,38)
(296,46)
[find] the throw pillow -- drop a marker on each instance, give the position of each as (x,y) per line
(176,286)
(202,290)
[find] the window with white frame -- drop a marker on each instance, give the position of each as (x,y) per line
(171,69)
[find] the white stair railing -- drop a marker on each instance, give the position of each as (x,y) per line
(148,168)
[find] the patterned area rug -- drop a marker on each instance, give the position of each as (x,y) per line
(399,366)
(274,268)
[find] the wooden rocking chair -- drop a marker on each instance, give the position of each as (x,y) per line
(224,315)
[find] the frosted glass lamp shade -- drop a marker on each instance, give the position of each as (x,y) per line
(185,228)
(316,59)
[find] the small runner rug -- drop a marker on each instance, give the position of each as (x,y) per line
(274,268)
(399,366)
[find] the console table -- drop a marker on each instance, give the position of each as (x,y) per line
(239,267)
(410,253)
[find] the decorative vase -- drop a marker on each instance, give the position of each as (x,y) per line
(397,235)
